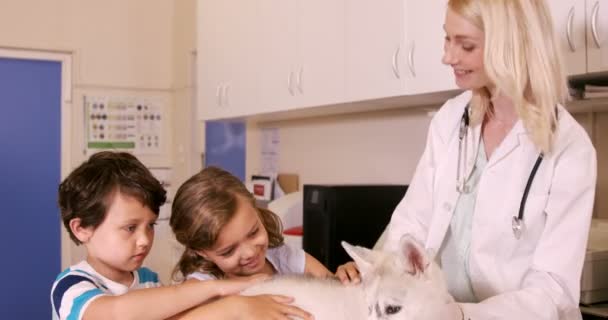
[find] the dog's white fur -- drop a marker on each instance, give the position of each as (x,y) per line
(398,286)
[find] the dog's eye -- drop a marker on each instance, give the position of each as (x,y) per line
(392,309)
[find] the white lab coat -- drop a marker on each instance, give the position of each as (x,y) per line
(537,276)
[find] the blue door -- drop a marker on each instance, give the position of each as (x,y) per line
(225,146)
(30,136)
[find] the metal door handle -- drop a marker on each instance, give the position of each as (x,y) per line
(410,59)
(218,94)
(396,63)
(596,37)
(569,29)
(289,85)
(299,83)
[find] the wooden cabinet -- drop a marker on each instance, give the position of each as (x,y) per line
(394,48)
(424,48)
(374,49)
(302,60)
(266,56)
(569,23)
(597,35)
(279,58)
(582,28)
(269,55)
(227,46)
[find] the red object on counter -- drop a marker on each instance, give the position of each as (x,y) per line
(294,231)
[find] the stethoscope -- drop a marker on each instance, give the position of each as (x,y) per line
(517,224)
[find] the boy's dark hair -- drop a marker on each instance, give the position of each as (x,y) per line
(88,191)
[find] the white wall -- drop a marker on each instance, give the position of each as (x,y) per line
(188,132)
(117,43)
(371,147)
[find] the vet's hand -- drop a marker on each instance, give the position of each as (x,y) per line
(236,285)
(348,273)
(269,307)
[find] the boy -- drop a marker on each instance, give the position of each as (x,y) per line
(110,205)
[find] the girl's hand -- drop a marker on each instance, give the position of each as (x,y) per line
(348,273)
(268,307)
(236,285)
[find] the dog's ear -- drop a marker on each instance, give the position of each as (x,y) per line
(413,256)
(363,257)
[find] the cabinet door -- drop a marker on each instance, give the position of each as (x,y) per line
(569,22)
(210,64)
(597,35)
(374,42)
(227,51)
(279,54)
(319,75)
(424,47)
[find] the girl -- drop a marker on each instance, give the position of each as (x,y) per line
(226,236)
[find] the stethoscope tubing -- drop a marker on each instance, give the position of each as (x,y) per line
(518,220)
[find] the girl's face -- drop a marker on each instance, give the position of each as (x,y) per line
(240,249)
(463,51)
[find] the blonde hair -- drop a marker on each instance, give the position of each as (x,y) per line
(203,205)
(522,59)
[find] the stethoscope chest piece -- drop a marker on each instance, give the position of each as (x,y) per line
(518,226)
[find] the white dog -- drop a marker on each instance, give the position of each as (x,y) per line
(395,286)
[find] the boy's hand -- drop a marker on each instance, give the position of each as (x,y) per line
(348,273)
(236,285)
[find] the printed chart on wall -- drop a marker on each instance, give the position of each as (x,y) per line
(124,123)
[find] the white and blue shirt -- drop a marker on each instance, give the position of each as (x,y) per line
(284,259)
(76,287)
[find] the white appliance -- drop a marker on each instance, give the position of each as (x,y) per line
(289,208)
(594,281)
(166,251)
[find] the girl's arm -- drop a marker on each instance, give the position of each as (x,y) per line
(315,268)
(163,302)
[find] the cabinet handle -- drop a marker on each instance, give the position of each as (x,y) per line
(569,30)
(396,63)
(226,96)
(299,83)
(410,59)
(289,86)
(218,94)
(596,37)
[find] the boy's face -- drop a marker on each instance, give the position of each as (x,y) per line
(240,249)
(122,241)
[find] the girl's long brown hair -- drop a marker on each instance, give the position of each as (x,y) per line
(202,206)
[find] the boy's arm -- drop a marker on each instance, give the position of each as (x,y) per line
(163,302)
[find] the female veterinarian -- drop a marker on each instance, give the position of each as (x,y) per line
(504,191)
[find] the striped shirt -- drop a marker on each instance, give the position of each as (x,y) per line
(76,287)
